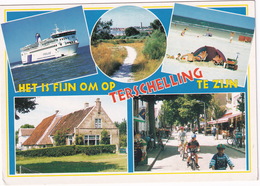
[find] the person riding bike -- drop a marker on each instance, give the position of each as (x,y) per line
(220,160)
(193,147)
(182,138)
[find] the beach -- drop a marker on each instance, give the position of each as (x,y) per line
(195,38)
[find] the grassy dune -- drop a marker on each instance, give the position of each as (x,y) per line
(110,54)
(75,163)
(108,57)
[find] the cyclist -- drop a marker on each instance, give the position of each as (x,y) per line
(193,146)
(181,138)
(220,160)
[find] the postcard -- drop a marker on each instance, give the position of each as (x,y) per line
(129,92)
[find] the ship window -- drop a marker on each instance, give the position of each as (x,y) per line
(63,34)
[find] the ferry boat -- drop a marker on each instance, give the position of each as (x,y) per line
(60,43)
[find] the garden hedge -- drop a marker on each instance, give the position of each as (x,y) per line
(68,150)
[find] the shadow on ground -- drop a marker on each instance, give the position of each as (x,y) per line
(70,167)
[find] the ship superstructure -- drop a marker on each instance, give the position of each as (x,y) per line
(60,43)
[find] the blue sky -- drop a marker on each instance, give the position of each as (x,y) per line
(214,16)
(22,32)
(126,16)
(47,105)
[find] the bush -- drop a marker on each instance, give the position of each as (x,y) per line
(60,138)
(155,46)
(68,150)
(105,137)
(51,151)
(79,140)
(122,140)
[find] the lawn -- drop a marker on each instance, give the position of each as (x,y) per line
(73,164)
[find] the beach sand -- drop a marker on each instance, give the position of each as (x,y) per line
(194,39)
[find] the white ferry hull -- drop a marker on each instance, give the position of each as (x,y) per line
(49,53)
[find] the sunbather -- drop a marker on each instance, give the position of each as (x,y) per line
(169,56)
(188,57)
(201,56)
(217,60)
(178,57)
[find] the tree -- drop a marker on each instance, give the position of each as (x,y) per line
(157,25)
(121,126)
(123,140)
(241,106)
(241,102)
(122,133)
(79,140)
(105,137)
(16,136)
(24,105)
(155,45)
(101,31)
(60,138)
(184,109)
(215,110)
(169,113)
(131,31)
(27,126)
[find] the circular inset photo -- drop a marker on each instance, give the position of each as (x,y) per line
(128,43)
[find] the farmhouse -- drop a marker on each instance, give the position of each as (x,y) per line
(88,123)
(23,135)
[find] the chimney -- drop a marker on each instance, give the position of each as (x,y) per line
(86,105)
(98,105)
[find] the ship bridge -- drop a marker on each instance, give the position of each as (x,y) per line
(62,34)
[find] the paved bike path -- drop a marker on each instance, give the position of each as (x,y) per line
(169,160)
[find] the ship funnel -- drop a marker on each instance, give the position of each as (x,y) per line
(37,37)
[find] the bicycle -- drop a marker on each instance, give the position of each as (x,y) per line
(233,141)
(193,161)
(183,154)
(160,144)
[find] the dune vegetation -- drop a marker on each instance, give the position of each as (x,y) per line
(109,53)
(108,57)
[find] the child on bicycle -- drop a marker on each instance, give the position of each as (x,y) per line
(182,138)
(220,160)
(193,146)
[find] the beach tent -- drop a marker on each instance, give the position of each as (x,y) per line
(212,52)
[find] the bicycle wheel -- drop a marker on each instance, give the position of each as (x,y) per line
(230,141)
(181,152)
(193,166)
(183,156)
(237,143)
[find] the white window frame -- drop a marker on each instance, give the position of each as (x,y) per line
(98,123)
(96,138)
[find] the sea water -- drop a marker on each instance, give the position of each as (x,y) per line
(56,70)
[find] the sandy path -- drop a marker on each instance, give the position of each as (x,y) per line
(124,74)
